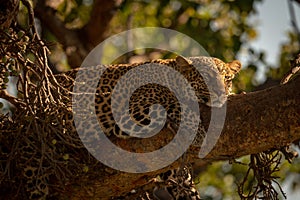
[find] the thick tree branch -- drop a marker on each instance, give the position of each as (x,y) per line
(259,121)
(78,43)
(94,30)
(255,122)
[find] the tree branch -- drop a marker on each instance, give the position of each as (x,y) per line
(78,43)
(259,121)
(11,99)
(255,122)
(94,30)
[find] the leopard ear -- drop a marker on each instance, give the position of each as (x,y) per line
(182,62)
(235,66)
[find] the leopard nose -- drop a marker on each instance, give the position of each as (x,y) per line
(217,101)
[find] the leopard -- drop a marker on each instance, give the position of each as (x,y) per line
(200,72)
(150,94)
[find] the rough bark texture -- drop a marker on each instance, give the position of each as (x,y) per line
(260,120)
(255,122)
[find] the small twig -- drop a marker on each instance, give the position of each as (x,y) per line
(32,26)
(263,165)
(11,99)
